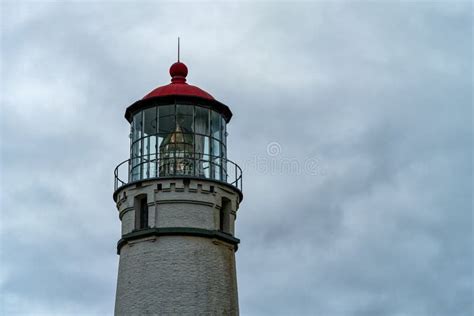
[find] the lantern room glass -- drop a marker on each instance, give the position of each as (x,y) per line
(178,140)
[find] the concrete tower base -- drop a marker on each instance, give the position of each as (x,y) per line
(183,261)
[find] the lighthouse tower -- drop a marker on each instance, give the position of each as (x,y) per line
(177,198)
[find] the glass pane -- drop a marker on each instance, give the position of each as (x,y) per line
(135,172)
(145,169)
(149,156)
(137,126)
(215,125)
(167,156)
(202,121)
(150,130)
(136,149)
(166,110)
(153,155)
(202,155)
(215,159)
(223,138)
(223,126)
(216,148)
(216,164)
(136,160)
(206,169)
(202,145)
(160,140)
(150,121)
(185,109)
(166,122)
(184,118)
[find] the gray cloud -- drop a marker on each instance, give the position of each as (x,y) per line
(379,94)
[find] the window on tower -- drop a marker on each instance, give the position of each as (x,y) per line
(224,216)
(141,212)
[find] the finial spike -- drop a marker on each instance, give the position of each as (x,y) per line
(178,49)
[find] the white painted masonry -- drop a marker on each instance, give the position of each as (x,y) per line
(177,274)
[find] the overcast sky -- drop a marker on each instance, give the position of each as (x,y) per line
(371,101)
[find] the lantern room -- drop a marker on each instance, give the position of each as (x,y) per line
(178,130)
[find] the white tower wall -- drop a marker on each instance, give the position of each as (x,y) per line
(184,263)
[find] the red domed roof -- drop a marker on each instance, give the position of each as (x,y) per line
(178,85)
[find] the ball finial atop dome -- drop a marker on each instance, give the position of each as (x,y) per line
(178,72)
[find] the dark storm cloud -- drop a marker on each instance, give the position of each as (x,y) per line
(377,94)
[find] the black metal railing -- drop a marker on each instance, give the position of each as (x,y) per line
(178,164)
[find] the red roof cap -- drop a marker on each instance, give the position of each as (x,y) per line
(178,85)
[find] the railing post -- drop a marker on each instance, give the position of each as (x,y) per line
(129,169)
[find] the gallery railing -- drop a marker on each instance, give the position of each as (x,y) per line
(178,164)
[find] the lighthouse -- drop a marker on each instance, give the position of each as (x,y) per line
(177,198)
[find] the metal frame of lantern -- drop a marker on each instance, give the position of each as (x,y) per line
(178,163)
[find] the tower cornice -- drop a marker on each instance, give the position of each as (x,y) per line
(177,231)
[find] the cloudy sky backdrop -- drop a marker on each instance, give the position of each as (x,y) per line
(371,100)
